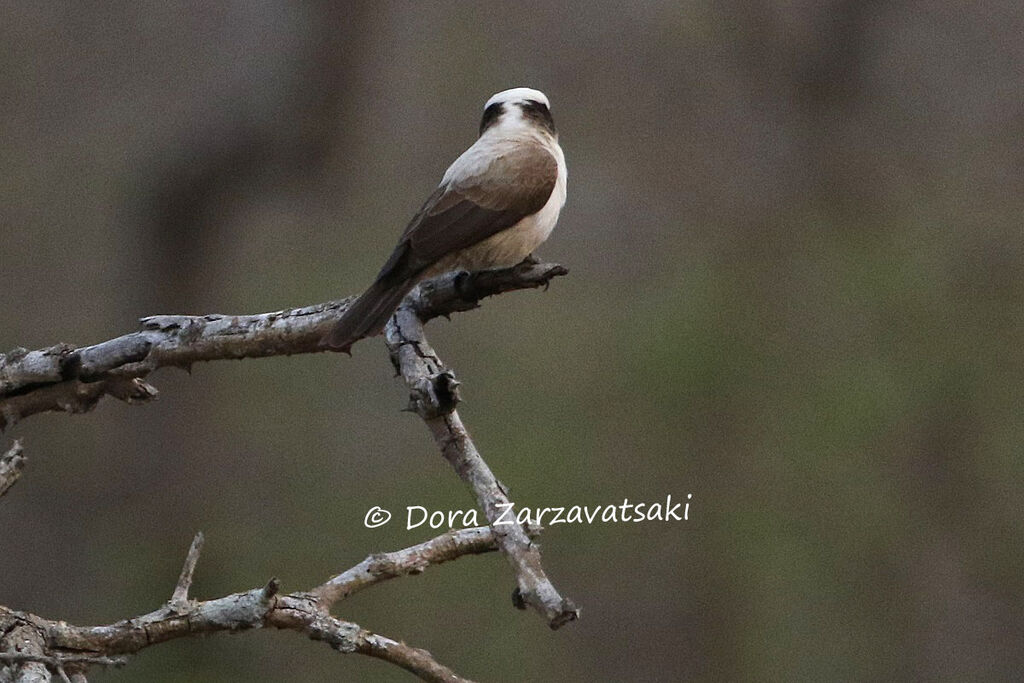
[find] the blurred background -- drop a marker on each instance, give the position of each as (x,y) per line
(795,239)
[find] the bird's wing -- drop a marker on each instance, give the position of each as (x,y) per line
(469,209)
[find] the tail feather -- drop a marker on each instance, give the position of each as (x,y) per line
(368,315)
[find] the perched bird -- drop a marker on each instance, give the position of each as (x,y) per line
(496,203)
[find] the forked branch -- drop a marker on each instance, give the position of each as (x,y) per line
(70,379)
(434,396)
(33,645)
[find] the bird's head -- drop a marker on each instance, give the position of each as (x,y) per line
(518,108)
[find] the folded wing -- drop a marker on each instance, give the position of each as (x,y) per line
(461,212)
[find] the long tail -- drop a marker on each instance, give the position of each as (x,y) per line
(368,315)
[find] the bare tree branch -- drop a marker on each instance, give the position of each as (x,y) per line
(74,379)
(434,395)
(39,645)
(413,560)
(69,379)
(11,464)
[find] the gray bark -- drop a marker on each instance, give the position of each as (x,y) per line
(70,379)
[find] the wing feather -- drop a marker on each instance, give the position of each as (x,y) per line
(461,213)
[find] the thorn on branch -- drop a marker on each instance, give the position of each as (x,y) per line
(518,601)
(395,363)
(271,589)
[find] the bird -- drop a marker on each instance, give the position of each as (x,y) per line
(496,203)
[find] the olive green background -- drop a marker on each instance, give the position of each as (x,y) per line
(794,232)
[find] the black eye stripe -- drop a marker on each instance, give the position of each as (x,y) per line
(491,116)
(539,113)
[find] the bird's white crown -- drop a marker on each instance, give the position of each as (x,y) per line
(518,94)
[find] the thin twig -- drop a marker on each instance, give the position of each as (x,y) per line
(412,659)
(179,599)
(413,560)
